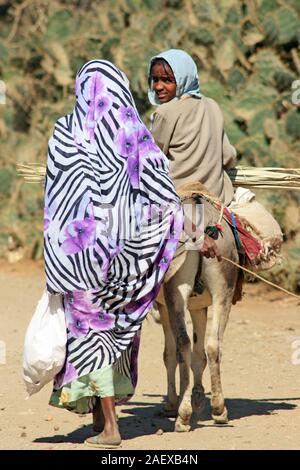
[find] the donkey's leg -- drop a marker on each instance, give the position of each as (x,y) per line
(171,406)
(220,316)
(177,306)
(199,319)
(221,282)
(177,292)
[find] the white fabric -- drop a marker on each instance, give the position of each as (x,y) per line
(241,196)
(45,343)
(259,220)
(261,224)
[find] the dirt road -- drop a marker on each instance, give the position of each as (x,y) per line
(261,380)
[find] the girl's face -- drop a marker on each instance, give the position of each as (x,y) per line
(163,82)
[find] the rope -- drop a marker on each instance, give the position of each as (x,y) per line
(213,201)
(261,278)
(221,214)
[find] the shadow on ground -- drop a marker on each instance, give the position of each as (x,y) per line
(239,408)
(142,419)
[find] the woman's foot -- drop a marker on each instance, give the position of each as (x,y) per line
(98,417)
(105,440)
(110,437)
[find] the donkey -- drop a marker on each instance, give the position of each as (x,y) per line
(221,280)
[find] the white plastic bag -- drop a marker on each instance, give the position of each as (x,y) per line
(45,343)
(262,225)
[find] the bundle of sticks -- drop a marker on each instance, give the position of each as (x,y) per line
(276,178)
(32,172)
(246,176)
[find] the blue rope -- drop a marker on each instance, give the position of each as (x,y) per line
(235,232)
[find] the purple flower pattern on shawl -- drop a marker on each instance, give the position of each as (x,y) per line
(134,360)
(79,302)
(102,321)
(77,324)
(79,234)
(166,254)
(135,145)
(146,142)
(136,308)
(82,315)
(66,375)
(99,104)
(127,114)
(126,142)
(115,248)
(46,219)
(133,168)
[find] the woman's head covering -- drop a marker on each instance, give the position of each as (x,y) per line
(184,70)
(112,216)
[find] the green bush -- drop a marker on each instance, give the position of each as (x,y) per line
(247,54)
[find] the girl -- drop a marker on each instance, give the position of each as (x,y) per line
(189,127)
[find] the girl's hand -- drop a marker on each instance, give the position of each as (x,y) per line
(209,248)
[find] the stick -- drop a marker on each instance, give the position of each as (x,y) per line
(261,278)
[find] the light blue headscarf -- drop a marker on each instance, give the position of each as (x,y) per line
(185,72)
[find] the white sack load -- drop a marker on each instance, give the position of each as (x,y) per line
(261,224)
(45,343)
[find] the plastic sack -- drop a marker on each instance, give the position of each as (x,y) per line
(262,225)
(45,343)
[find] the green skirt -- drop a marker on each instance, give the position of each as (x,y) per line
(80,395)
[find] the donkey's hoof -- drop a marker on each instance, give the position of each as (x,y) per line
(171,409)
(198,402)
(222,418)
(184,415)
(181,427)
(170,412)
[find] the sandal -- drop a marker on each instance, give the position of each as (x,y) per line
(101,442)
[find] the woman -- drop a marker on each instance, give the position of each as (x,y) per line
(112,223)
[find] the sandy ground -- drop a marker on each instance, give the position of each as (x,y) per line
(261,380)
